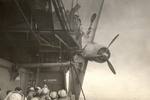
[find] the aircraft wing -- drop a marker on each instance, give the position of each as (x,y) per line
(89,8)
(97,21)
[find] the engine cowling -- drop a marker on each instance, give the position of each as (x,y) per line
(96,52)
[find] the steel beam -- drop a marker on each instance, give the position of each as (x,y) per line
(44,65)
(62,41)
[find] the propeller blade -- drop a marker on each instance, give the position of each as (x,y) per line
(111,67)
(113,40)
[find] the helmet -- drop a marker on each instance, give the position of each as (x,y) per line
(53,94)
(38,89)
(31,89)
(45,90)
(62,93)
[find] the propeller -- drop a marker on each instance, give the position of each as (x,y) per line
(111,67)
(113,40)
(108,62)
(104,55)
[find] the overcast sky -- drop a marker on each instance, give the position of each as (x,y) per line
(130,53)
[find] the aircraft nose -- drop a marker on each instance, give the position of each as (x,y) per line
(104,54)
